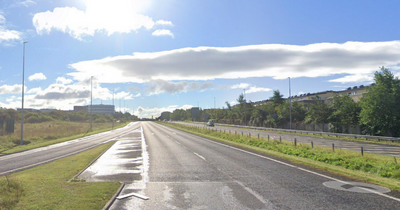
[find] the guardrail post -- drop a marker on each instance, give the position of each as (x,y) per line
(249,134)
(258,136)
(242,133)
(235,132)
(312,144)
(295,142)
(280,139)
(362,151)
(268,137)
(333,147)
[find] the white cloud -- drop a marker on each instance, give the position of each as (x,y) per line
(161,86)
(156,112)
(354,78)
(271,60)
(34,90)
(62,80)
(123,95)
(257,89)
(119,16)
(240,86)
(37,76)
(11,89)
(163,32)
(164,22)
(7,35)
(137,95)
(249,88)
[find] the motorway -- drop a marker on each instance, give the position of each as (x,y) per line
(191,172)
(177,170)
(374,148)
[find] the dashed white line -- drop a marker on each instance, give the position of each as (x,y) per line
(293,166)
(199,156)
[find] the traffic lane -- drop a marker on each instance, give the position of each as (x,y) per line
(284,186)
(375,148)
(23,160)
(181,179)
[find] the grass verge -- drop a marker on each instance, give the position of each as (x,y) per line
(378,169)
(47,186)
(305,133)
(43,134)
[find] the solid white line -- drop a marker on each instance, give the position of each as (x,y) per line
(293,166)
(199,156)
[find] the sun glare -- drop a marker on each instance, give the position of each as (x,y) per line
(116,14)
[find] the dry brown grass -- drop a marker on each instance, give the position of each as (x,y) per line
(39,133)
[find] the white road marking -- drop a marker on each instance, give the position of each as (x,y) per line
(199,156)
(177,142)
(132,194)
(293,166)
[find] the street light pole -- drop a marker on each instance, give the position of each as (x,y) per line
(23,86)
(215,115)
(244,97)
(113,111)
(91,101)
(290,106)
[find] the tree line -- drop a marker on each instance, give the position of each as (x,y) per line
(377,113)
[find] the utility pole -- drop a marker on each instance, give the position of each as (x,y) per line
(215,114)
(113,111)
(290,107)
(91,101)
(244,97)
(23,87)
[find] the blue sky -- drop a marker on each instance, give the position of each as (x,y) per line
(162,55)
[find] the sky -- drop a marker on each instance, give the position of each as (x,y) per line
(148,56)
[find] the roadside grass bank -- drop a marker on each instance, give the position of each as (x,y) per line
(305,133)
(378,169)
(47,186)
(47,133)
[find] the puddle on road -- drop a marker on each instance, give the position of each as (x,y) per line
(127,161)
(121,163)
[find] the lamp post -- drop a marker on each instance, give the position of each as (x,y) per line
(215,115)
(23,86)
(113,111)
(244,97)
(290,107)
(91,101)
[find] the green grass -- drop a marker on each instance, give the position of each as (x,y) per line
(47,186)
(383,170)
(47,133)
(369,140)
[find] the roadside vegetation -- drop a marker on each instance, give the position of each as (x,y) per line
(47,186)
(382,170)
(42,129)
(377,113)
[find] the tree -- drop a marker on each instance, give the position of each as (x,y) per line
(344,110)
(381,107)
(318,113)
(277,98)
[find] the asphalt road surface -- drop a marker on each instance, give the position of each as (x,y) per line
(177,170)
(375,148)
(190,172)
(23,160)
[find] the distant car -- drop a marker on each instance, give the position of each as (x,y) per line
(210,124)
